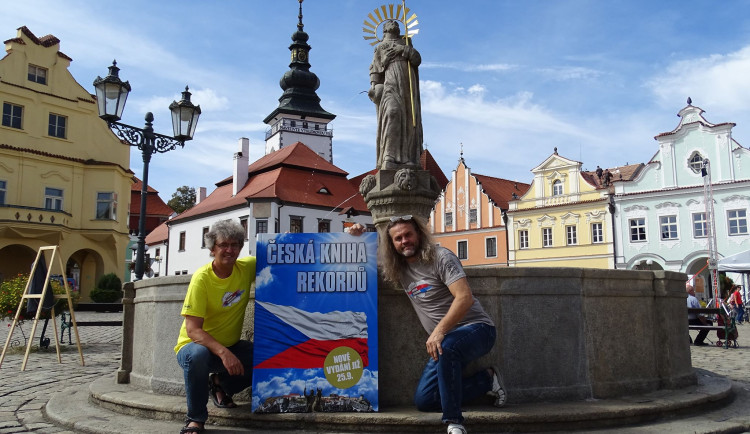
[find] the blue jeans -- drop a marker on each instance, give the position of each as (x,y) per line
(442,386)
(198,361)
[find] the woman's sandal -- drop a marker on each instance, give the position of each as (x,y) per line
(214,388)
(192,429)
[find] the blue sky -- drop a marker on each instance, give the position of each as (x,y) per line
(510,80)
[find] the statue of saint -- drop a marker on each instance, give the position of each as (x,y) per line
(394,88)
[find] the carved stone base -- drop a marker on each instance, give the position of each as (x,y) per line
(399,192)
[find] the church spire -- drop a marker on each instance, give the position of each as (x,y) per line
(299,83)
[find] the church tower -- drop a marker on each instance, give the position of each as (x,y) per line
(299,116)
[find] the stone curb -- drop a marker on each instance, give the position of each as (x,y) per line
(106,407)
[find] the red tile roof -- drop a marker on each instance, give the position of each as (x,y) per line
(501,190)
(44,41)
(294,174)
(621,173)
(138,185)
(158,235)
(426,161)
(155,206)
(296,155)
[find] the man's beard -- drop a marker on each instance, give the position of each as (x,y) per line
(409,252)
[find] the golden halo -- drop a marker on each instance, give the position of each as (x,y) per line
(387,13)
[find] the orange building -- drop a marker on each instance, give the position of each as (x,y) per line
(468,217)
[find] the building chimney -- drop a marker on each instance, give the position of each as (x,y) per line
(241,162)
(201,196)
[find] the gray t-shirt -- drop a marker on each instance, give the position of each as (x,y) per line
(427,288)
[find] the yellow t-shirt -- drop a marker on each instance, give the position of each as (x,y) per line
(220,302)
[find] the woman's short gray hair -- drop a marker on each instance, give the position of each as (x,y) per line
(227,230)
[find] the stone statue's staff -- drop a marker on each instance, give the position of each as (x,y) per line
(408,64)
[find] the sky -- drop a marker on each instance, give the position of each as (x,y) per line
(504,81)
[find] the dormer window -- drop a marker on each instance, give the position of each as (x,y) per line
(695,162)
(324,190)
(557,188)
(37,74)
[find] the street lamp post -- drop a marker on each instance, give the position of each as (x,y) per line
(111,94)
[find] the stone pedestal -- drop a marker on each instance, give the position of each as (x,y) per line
(407,190)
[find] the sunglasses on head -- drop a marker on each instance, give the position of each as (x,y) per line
(401,218)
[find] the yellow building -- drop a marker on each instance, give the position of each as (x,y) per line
(564,219)
(62,171)
(468,216)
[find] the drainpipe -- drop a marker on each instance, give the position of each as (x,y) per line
(278,215)
(614,239)
(507,247)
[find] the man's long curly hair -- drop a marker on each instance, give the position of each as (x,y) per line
(392,263)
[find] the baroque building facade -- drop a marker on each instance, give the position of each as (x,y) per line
(64,177)
(469,216)
(662,211)
(564,219)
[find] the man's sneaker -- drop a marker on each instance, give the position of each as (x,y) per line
(498,388)
(456,428)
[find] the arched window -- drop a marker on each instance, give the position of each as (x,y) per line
(557,188)
(695,162)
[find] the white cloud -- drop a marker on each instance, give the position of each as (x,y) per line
(469,67)
(265,277)
(718,80)
(565,73)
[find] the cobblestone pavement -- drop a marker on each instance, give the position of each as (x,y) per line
(24,394)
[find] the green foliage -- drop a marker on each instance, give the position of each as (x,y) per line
(109,281)
(105,295)
(108,289)
(11,291)
(183,199)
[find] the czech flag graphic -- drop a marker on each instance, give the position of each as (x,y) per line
(295,338)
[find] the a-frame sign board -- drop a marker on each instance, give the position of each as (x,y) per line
(26,295)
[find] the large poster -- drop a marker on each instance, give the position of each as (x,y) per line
(316,324)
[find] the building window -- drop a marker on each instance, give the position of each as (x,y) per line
(106,206)
(37,74)
(638,229)
(243,223)
(2,192)
(12,115)
(557,188)
(700,225)
(737,219)
(668,226)
(546,237)
(463,250)
(181,247)
(57,126)
(295,224)
(695,162)
(203,237)
(53,198)
(491,247)
(473,215)
(158,254)
(324,226)
(261,226)
(523,239)
(597,233)
(449,219)
(571,235)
